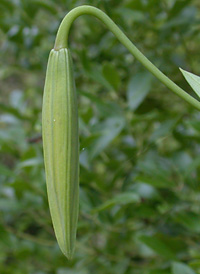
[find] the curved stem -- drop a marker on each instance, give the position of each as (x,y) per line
(62,42)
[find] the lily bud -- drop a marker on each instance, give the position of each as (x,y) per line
(61,147)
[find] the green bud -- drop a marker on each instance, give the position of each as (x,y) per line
(61,148)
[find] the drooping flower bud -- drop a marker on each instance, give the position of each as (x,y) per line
(61,147)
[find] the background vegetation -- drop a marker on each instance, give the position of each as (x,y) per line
(139,143)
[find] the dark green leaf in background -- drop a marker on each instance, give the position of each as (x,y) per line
(138,88)
(111,75)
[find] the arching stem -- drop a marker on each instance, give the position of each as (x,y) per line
(62,42)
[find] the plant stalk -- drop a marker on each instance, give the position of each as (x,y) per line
(62,42)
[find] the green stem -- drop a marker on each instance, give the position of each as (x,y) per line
(62,42)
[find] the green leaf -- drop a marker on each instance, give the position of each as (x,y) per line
(30,163)
(111,75)
(120,199)
(156,181)
(180,268)
(130,15)
(49,6)
(158,246)
(5,237)
(138,88)
(5,171)
(155,170)
(164,129)
(189,220)
(193,80)
(107,131)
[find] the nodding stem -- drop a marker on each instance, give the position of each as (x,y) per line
(62,42)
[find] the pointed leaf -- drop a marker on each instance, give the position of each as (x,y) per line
(138,88)
(193,80)
(158,246)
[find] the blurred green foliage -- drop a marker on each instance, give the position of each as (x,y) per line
(139,143)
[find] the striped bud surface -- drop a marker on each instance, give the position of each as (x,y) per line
(61,148)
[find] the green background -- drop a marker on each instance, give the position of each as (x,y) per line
(139,143)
